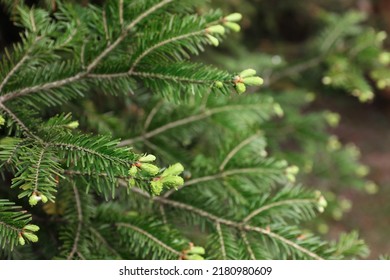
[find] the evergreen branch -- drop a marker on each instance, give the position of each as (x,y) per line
(151,115)
(247,245)
(104,242)
(106,27)
(282,239)
(221,241)
(275,204)
(79,224)
(236,149)
(121,12)
(38,168)
(13,70)
(160,44)
(151,237)
(185,121)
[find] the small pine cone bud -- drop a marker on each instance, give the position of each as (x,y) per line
(31,227)
(149,168)
(73,125)
(218,84)
(21,240)
(214,41)
(247,73)
(2,120)
(33,200)
(233,17)
(216,29)
(194,257)
(196,250)
(30,236)
(172,181)
(232,26)
(133,170)
(148,158)
(240,88)
(173,170)
(253,81)
(43,198)
(157,187)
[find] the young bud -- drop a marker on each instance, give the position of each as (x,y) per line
(240,88)
(196,250)
(247,73)
(194,257)
(21,240)
(332,118)
(384,58)
(72,125)
(43,198)
(31,228)
(173,170)
(218,84)
(233,17)
(253,81)
(151,169)
(133,170)
(157,187)
(292,170)
(30,236)
(214,41)
(278,110)
(172,181)
(216,29)
(2,120)
(322,202)
(232,26)
(33,200)
(148,158)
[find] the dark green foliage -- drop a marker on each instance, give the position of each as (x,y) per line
(98,191)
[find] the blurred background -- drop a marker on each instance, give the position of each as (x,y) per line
(327,65)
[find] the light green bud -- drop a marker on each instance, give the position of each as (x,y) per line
(30,236)
(73,125)
(2,120)
(216,29)
(293,169)
(381,36)
(362,171)
(326,80)
(149,168)
(31,227)
(33,200)
(384,58)
(194,257)
(172,181)
(371,187)
(21,240)
(148,158)
(240,88)
(196,250)
(173,170)
(218,84)
(131,183)
(333,119)
(322,201)
(233,17)
(43,198)
(214,41)
(278,110)
(157,187)
(253,81)
(232,26)
(247,73)
(133,170)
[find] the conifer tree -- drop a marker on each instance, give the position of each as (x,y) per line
(190,178)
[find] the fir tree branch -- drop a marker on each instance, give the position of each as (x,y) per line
(151,237)
(38,168)
(160,44)
(121,12)
(151,115)
(221,241)
(104,242)
(236,149)
(185,121)
(248,246)
(105,26)
(275,204)
(13,70)
(79,223)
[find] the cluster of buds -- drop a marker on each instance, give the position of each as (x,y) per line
(35,197)
(321,202)
(229,22)
(169,179)
(144,164)
(246,78)
(27,233)
(291,172)
(193,253)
